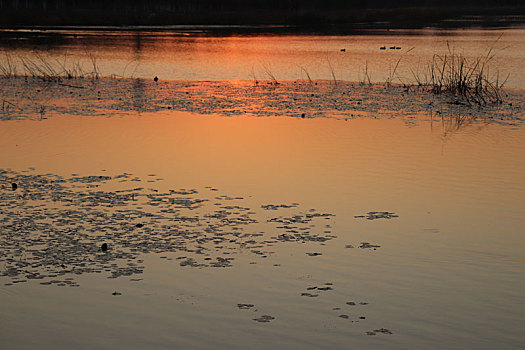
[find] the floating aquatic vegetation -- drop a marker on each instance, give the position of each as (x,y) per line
(323,288)
(310,295)
(345,101)
(53,227)
(314,254)
(298,230)
(366,245)
(278,206)
(245,306)
(380,330)
(264,318)
(373,215)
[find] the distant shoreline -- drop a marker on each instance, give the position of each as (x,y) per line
(247,21)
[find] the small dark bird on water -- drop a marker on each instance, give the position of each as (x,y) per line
(155,79)
(104,247)
(14,186)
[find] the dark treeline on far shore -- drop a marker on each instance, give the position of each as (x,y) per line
(305,13)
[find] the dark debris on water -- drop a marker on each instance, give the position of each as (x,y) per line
(264,318)
(379,331)
(54,227)
(374,215)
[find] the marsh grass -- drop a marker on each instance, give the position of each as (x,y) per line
(332,71)
(8,66)
(48,69)
(268,70)
(366,79)
(467,79)
(305,71)
(132,66)
(392,69)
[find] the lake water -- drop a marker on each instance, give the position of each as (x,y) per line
(182,55)
(287,198)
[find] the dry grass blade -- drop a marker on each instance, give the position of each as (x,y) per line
(366,76)
(332,71)
(303,69)
(47,68)
(269,73)
(393,71)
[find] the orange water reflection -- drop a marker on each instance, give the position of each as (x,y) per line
(458,190)
(173,56)
(362,163)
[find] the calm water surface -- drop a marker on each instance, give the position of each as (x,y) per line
(176,55)
(449,270)
(448,273)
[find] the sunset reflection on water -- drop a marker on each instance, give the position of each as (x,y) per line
(332,210)
(456,188)
(189,56)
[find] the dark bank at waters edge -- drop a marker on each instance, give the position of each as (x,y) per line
(306,16)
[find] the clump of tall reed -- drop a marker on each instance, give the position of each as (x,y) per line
(466,79)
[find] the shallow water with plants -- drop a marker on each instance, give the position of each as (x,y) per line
(260,213)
